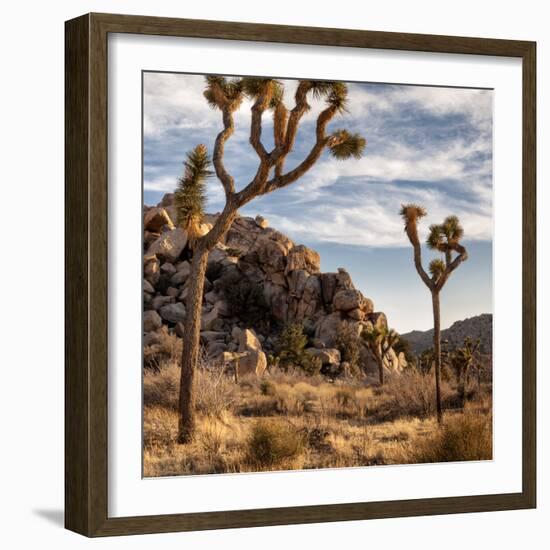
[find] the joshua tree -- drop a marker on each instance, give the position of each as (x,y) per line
(444,238)
(462,359)
(227,95)
(379,341)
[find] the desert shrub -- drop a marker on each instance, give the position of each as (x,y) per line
(215,392)
(348,344)
(310,364)
(290,345)
(462,437)
(168,349)
(274,444)
(291,352)
(162,388)
(267,387)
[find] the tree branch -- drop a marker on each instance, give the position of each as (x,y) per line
(321,142)
(258,108)
(412,233)
(462,257)
(217,158)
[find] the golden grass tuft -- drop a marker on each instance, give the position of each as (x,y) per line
(274,444)
(463,437)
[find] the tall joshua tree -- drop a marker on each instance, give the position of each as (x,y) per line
(379,341)
(444,238)
(227,95)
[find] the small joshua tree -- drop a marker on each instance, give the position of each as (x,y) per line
(463,359)
(227,95)
(444,238)
(379,340)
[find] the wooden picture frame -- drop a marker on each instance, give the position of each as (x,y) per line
(86,415)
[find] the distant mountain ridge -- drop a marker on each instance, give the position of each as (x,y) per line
(480,326)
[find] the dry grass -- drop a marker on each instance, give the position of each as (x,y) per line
(288,421)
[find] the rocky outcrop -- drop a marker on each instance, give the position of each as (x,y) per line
(256,278)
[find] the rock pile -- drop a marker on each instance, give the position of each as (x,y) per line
(256,279)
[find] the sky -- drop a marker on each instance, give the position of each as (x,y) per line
(427,145)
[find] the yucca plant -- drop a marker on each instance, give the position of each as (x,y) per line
(444,238)
(379,340)
(462,359)
(227,96)
(190,196)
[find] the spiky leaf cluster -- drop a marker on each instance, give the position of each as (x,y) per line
(222,92)
(343,145)
(444,236)
(254,86)
(436,238)
(334,93)
(436,268)
(452,229)
(412,212)
(190,195)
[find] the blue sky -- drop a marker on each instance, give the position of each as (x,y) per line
(428,145)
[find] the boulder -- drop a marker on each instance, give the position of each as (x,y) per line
(159,301)
(346,300)
(297,281)
(248,341)
(302,257)
(252,362)
(172,291)
(217,254)
(343,280)
(252,272)
(271,255)
(235,333)
(212,336)
(278,278)
(357,314)
(328,287)
(208,318)
(148,287)
(328,356)
(378,320)
(156,219)
(261,221)
(327,328)
(151,321)
(173,313)
(169,245)
(168,268)
(151,270)
(280,238)
(215,348)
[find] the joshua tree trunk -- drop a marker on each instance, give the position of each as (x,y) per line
(437,354)
(191,337)
(381,371)
(191,344)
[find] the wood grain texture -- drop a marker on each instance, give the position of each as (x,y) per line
(77,459)
(86,257)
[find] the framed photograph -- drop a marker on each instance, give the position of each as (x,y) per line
(300,280)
